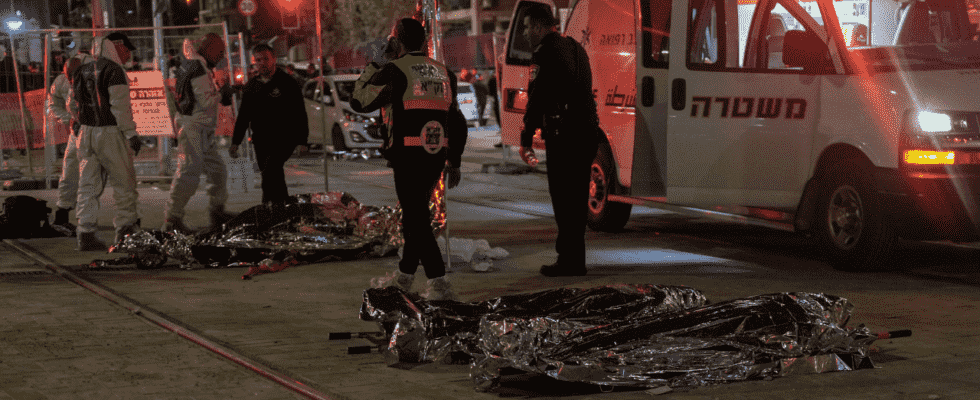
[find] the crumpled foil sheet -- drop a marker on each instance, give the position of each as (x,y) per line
(309,227)
(624,335)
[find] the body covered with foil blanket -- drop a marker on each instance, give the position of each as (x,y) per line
(625,335)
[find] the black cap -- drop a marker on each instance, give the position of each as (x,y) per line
(119,36)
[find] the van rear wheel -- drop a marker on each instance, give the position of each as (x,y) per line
(605,215)
(850,224)
(338,139)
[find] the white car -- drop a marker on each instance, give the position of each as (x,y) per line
(466,97)
(333,122)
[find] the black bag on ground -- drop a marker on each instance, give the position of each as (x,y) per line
(25,217)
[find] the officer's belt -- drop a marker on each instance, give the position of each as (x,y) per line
(417,141)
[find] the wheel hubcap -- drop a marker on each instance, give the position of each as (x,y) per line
(597,189)
(845,217)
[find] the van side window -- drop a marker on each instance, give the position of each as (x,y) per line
(752,35)
(656,33)
(519,51)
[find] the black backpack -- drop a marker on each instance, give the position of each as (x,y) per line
(25,217)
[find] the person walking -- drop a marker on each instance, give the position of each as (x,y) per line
(198,97)
(272,105)
(59,103)
(561,104)
(107,141)
(424,130)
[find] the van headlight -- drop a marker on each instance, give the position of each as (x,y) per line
(946,122)
(935,138)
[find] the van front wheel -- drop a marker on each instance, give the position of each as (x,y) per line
(605,215)
(850,224)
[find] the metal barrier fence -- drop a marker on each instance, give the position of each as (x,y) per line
(33,60)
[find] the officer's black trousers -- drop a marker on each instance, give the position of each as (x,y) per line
(272,158)
(414,181)
(569,168)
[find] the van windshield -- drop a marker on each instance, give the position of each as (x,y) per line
(914,35)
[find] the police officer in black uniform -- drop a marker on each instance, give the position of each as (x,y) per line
(425,129)
(560,103)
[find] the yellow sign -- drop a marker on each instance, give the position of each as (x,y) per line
(149,103)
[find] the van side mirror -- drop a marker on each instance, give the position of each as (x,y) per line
(805,49)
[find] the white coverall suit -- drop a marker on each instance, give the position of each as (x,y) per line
(59,102)
(104,148)
(197,148)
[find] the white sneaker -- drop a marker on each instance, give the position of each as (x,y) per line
(440,289)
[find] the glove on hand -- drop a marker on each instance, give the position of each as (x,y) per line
(452,176)
(136,144)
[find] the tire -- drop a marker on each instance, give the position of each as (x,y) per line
(605,215)
(338,139)
(850,225)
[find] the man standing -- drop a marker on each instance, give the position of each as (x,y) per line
(58,107)
(425,128)
(272,105)
(107,141)
(197,116)
(560,103)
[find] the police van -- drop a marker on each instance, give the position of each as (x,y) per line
(854,122)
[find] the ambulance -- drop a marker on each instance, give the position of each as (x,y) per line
(855,122)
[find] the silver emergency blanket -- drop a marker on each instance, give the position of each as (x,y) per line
(624,335)
(308,228)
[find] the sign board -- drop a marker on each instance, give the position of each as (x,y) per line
(247,7)
(149,103)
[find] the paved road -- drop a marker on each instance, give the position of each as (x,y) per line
(70,332)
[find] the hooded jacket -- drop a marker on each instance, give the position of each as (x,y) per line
(197,95)
(101,90)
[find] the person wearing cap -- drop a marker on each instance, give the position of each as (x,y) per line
(59,103)
(272,105)
(107,141)
(561,104)
(425,136)
(198,96)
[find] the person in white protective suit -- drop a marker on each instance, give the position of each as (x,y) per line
(198,96)
(59,102)
(107,141)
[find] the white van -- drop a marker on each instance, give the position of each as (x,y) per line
(855,122)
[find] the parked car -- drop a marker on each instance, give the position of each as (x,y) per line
(333,122)
(466,97)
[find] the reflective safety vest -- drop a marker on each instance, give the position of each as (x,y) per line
(421,119)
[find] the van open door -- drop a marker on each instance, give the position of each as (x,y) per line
(514,73)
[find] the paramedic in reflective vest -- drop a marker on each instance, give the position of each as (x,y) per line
(59,103)
(418,95)
(198,97)
(107,141)
(561,104)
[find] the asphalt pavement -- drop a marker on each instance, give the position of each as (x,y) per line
(70,331)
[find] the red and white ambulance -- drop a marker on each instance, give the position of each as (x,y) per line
(856,122)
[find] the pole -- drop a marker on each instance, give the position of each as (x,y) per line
(48,134)
(319,90)
(163,142)
(23,108)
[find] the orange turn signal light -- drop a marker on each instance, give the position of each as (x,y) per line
(929,157)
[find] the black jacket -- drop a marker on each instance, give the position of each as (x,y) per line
(274,110)
(561,85)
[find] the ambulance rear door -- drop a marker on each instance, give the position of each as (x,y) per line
(513,75)
(742,111)
(652,60)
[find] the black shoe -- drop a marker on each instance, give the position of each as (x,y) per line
(87,241)
(563,270)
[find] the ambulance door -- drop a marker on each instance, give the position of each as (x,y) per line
(742,110)
(652,59)
(514,74)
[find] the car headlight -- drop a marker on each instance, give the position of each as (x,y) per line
(946,122)
(354,117)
